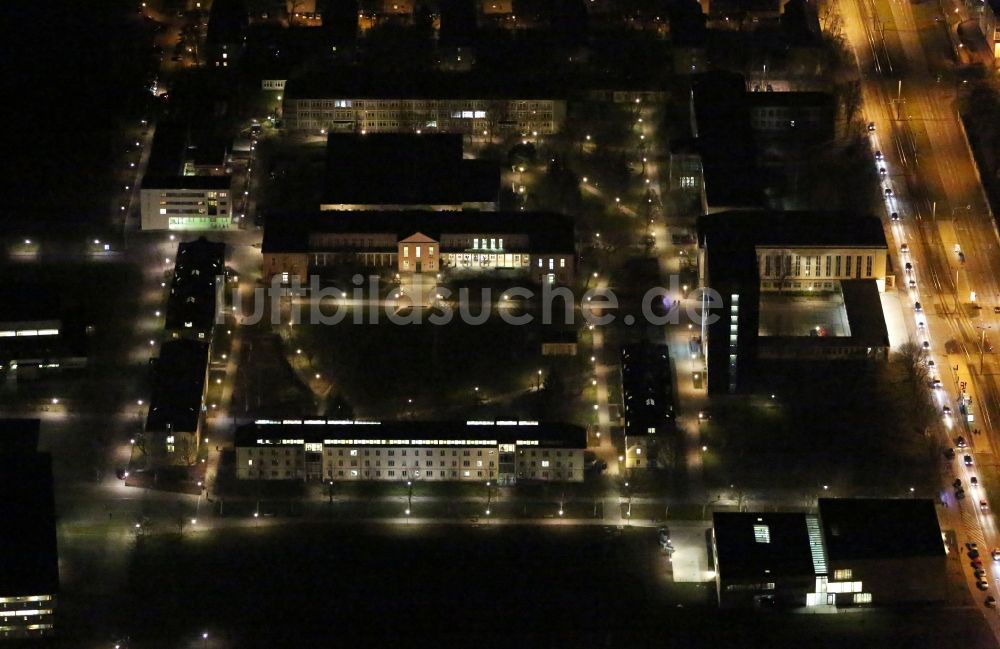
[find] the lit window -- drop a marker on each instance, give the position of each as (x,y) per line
(761,533)
(842,574)
(354,452)
(418,252)
(862,598)
(545,464)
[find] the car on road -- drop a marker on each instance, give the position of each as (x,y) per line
(917,306)
(894,216)
(995,553)
(996,309)
(967,460)
(983,506)
(879,156)
(990,601)
(908,266)
(905,248)
(960,442)
(871,127)
(912,283)
(930,363)
(927,345)
(936,384)
(973,482)
(888,192)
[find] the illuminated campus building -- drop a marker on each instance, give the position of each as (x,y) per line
(503,451)
(352,100)
(847,555)
(538,244)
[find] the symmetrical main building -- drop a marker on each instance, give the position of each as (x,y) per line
(501,451)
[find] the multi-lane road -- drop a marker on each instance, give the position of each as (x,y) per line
(944,243)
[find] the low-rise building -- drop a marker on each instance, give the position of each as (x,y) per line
(173,421)
(862,538)
(185,187)
(779,261)
(192,303)
(647,393)
(537,244)
(766,559)
(848,555)
(394,171)
(29,559)
(38,333)
(506,452)
(352,100)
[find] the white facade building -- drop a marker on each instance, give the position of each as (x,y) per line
(505,452)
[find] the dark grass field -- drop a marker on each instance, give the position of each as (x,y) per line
(446,586)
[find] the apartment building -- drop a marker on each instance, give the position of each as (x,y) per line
(506,452)
(349,100)
(191,304)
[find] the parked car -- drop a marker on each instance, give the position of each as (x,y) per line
(949,453)
(991,602)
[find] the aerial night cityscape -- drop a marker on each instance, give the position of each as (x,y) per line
(500,323)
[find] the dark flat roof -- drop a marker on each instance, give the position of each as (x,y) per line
(405,169)
(19,436)
(29,302)
(547,231)
(29,560)
(725,141)
(743,553)
(192,289)
(354,82)
(178,386)
(186,182)
(791,229)
(646,376)
(880,528)
(410,433)
(864,312)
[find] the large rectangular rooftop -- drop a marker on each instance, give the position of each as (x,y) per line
(410,433)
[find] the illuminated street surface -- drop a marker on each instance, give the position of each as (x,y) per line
(947,213)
